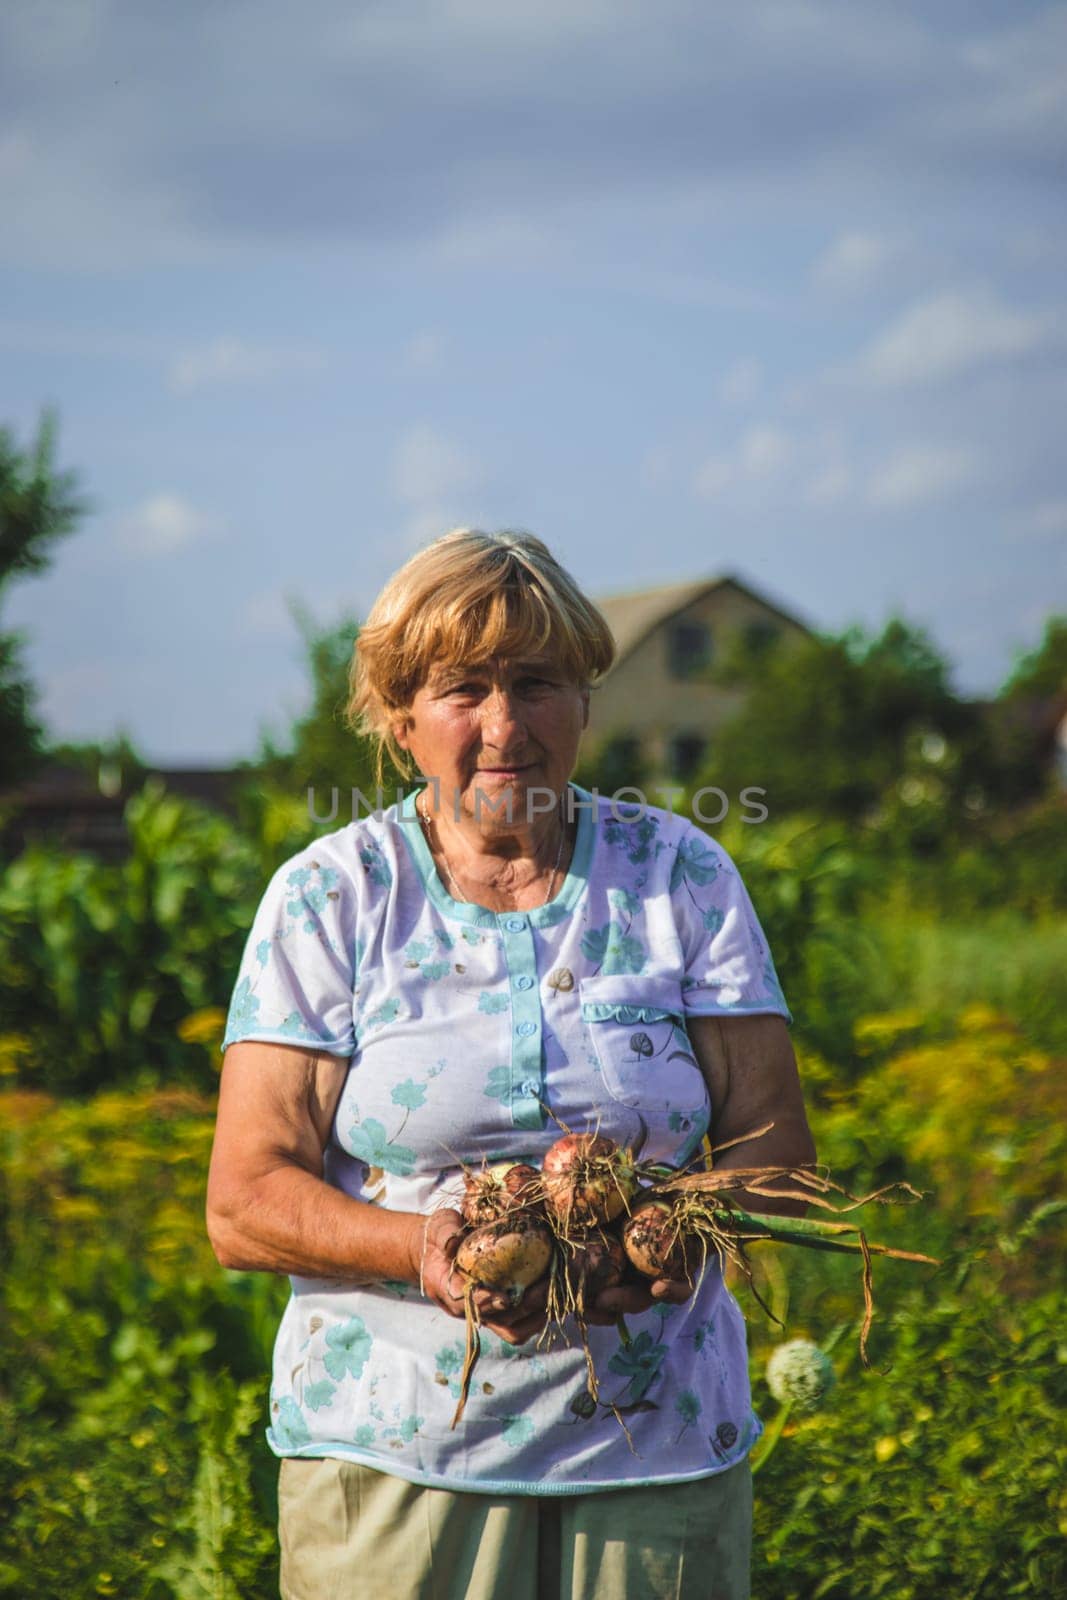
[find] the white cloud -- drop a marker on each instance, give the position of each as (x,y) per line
(920,473)
(854,260)
(435,478)
(232,360)
(949,335)
(830,486)
(741,383)
(425,525)
(163,524)
(762,454)
(429,468)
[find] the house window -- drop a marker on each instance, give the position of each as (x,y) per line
(689,649)
(685,754)
(760,636)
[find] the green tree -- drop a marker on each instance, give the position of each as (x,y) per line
(1042,671)
(39,505)
(832,724)
(321,752)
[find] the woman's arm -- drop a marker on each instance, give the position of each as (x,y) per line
(268,1206)
(751,1074)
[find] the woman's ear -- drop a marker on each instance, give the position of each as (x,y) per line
(401,733)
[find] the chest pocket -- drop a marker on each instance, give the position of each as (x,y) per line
(637,1028)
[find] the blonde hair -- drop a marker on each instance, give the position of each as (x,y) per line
(468,597)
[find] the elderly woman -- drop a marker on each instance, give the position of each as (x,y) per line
(430,989)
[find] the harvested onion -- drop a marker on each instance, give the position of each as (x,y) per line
(588,1180)
(508,1254)
(498,1189)
(656,1245)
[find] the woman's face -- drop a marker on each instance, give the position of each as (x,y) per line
(502,726)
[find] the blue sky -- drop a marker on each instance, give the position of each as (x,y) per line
(683,287)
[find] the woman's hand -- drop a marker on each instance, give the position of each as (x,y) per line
(630,1299)
(442,1282)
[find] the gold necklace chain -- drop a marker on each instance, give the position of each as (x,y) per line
(457,891)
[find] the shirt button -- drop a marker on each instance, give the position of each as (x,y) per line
(525,982)
(515,924)
(528,1089)
(526,1029)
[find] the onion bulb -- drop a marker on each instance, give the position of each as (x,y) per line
(588,1180)
(656,1245)
(498,1189)
(508,1254)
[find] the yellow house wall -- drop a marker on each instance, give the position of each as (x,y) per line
(640,697)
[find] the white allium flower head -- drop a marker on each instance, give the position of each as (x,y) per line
(800,1374)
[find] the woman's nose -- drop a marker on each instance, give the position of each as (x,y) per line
(502,724)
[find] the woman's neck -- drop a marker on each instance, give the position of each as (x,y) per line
(502,867)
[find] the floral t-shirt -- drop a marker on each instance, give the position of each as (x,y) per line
(461,1026)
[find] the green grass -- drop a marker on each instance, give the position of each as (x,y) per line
(1003,959)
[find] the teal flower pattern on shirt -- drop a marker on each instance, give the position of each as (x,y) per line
(313,886)
(448,1364)
(640,1361)
(244,1011)
(695,862)
(290,1429)
(375,864)
(406,1431)
(490,1005)
(517,1430)
(319,1394)
(688,1407)
(498,1084)
(294,1027)
(424,956)
(370,1143)
(624,901)
(387,1012)
(349,1346)
(612,950)
(636,836)
(409,1094)
(706,1343)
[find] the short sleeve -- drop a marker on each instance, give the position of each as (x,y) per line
(296,981)
(728,964)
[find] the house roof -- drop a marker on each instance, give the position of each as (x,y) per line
(633,615)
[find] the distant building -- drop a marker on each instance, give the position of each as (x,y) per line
(63,806)
(659,695)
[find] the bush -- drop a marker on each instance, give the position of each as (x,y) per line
(100,964)
(135,1371)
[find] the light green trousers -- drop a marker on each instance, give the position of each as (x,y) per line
(351,1533)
